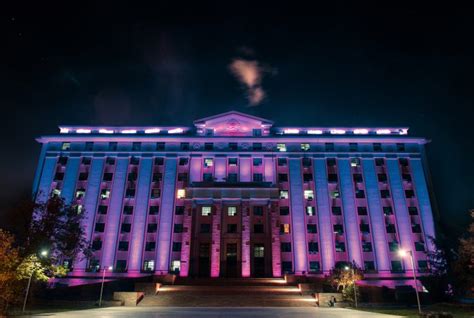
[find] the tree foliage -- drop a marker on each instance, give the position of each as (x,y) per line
(464,265)
(9,261)
(343,278)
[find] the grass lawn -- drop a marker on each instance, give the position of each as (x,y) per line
(456,311)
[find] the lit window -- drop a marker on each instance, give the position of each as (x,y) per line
(334,194)
(79,208)
(285,228)
(232,162)
(208,162)
(181,193)
(259,251)
(80,193)
(206,211)
(308,194)
(176,266)
(283,194)
(355,162)
(105,194)
(232,211)
(305,147)
(281,147)
(310,210)
(149,266)
(66,146)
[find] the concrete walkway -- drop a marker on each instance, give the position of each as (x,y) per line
(165,312)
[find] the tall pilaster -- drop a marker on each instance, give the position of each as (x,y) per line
(276,248)
(70,179)
(44,186)
(39,169)
(186,246)
(216,240)
(245,239)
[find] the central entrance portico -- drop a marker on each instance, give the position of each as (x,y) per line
(231,232)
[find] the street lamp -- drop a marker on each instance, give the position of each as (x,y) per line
(402,254)
(355,285)
(102,285)
(43,253)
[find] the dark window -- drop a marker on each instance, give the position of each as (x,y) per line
(379,162)
(123,246)
(157,176)
(257,146)
(59,176)
(134,161)
(108,176)
(231,228)
(178,228)
(150,246)
(176,246)
(332,178)
(364,228)
(403,162)
(121,266)
(286,267)
(258,210)
(232,161)
(359,194)
(205,228)
(357,177)
(282,177)
(393,246)
(367,247)
(306,162)
(397,266)
(99,227)
(102,209)
(160,146)
(377,146)
(128,209)
(86,161)
(125,228)
(179,210)
(232,177)
(207,177)
(313,247)
(233,146)
(184,146)
(419,246)
(340,247)
(382,177)
(284,210)
(314,267)
(387,210)
(307,177)
(352,146)
(416,228)
(391,228)
(331,162)
(154,209)
(311,228)
(257,177)
(329,146)
(338,228)
(282,161)
(285,246)
(136,146)
(112,146)
(369,266)
(257,161)
(159,161)
(89,146)
(132,176)
(412,210)
(385,194)
(62,161)
(422,266)
(208,146)
(96,245)
(155,193)
(406,177)
(130,193)
(183,161)
(361,210)
(400,147)
(336,210)
(110,161)
(152,227)
(409,194)
(258,228)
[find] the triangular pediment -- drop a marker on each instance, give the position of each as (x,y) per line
(232,123)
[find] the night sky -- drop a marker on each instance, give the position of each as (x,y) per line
(357,66)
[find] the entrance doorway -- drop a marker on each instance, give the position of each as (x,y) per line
(258,260)
(204,260)
(231,260)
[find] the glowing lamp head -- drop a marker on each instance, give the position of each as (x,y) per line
(44,253)
(402,253)
(110,268)
(346,268)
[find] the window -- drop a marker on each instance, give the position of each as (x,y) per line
(177,246)
(123,246)
(152,227)
(256,132)
(285,246)
(282,177)
(160,146)
(352,147)
(231,228)
(104,194)
(150,246)
(66,146)
(125,228)
(59,176)
(308,195)
(307,177)
(258,210)
(332,178)
(258,250)
(284,228)
(183,161)
(314,267)
(257,161)
(310,211)
(159,161)
(409,194)
(184,146)
(400,147)
(80,193)
(286,267)
(387,210)
(406,177)
(208,146)
(361,210)
(157,176)
(283,194)
(412,210)
(231,211)
(419,246)
(367,247)
(305,147)
(112,146)
(338,229)
(55,193)
(86,161)
(359,194)
(391,228)
(335,194)
(357,177)
(329,146)
(128,210)
(62,161)
(232,177)
(397,266)
(205,228)
(132,176)
(134,161)
(206,211)
(136,146)
(284,210)
(257,146)
(311,228)
(232,162)
(233,146)
(416,228)
(179,210)
(97,245)
(393,246)
(382,177)
(282,162)
(181,194)
(403,162)
(99,227)
(369,266)
(257,177)
(422,266)
(176,266)
(336,210)
(281,147)
(178,228)
(313,247)
(340,247)
(130,193)
(306,162)
(149,266)
(385,194)
(121,266)
(377,146)
(182,177)
(83,176)
(207,177)
(108,176)
(379,162)
(102,209)
(258,228)
(208,162)
(364,228)
(154,210)
(209,132)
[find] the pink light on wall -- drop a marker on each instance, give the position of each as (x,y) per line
(245,240)
(186,247)
(216,241)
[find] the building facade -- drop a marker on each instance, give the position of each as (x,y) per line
(236,196)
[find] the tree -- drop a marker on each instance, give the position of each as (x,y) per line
(464,264)
(9,261)
(343,278)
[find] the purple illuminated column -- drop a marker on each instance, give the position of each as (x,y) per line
(114,213)
(276,248)
(216,240)
(140,215)
(70,178)
(166,217)
(423,201)
(401,212)
(47,172)
(245,170)
(298,217)
(195,167)
(377,222)
(245,239)
(186,246)
(269,169)
(90,206)
(324,216)
(39,169)
(220,167)
(350,216)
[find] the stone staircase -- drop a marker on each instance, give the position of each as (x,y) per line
(228,292)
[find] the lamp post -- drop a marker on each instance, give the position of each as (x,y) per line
(355,285)
(43,253)
(102,285)
(403,253)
